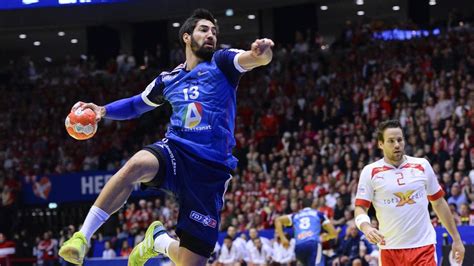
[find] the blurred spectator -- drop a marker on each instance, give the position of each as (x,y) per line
(466,215)
(7,247)
(349,249)
(238,244)
(259,254)
(47,250)
(457,197)
(125,250)
(229,255)
(108,252)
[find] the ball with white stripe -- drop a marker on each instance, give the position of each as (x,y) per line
(81,124)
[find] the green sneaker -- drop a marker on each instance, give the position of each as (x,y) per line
(74,249)
(144,250)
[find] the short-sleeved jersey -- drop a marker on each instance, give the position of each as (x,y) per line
(204,105)
(307,225)
(400,197)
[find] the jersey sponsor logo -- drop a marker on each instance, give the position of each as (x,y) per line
(192,115)
(205,220)
(405,198)
(304,235)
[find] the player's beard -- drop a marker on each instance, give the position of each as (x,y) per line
(397,157)
(203,52)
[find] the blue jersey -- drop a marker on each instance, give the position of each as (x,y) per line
(307,225)
(204,105)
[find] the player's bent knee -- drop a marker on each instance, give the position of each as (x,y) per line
(190,258)
(142,167)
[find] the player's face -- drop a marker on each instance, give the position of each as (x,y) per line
(204,39)
(393,146)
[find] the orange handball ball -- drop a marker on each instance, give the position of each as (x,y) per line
(81,124)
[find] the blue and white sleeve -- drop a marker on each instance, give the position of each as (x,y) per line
(228,62)
(153,93)
(135,106)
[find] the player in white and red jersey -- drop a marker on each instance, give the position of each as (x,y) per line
(399,187)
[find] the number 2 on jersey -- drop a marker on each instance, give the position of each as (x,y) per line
(399,179)
(191,93)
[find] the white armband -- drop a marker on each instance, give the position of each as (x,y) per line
(360,219)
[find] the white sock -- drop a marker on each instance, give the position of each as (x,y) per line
(162,243)
(94,220)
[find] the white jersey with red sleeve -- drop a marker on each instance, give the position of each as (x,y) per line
(400,197)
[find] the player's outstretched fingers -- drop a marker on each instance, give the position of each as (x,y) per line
(458,252)
(378,236)
(263,45)
(374,236)
(76,105)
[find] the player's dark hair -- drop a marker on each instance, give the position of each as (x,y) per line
(307,203)
(190,23)
(387,124)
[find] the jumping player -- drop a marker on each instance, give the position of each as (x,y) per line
(307,225)
(399,187)
(194,159)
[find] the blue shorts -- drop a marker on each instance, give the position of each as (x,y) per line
(199,187)
(309,253)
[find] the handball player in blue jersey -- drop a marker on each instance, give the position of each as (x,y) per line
(194,160)
(307,224)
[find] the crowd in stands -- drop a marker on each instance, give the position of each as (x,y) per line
(304,131)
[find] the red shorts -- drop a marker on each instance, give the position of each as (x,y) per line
(422,256)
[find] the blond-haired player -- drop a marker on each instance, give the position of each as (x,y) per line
(400,187)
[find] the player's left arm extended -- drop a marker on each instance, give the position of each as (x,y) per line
(281,222)
(125,109)
(441,208)
(331,232)
(260,54)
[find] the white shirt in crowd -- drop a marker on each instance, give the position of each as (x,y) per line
(240,245)
(284,255)
(227,256)
(260,256)
(249,245)
(108,254)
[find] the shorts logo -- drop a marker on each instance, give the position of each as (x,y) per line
(405,198)
(163,145)
(205,220)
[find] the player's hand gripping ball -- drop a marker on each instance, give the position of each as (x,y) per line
(81,124)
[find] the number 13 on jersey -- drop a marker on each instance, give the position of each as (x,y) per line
(191,93)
